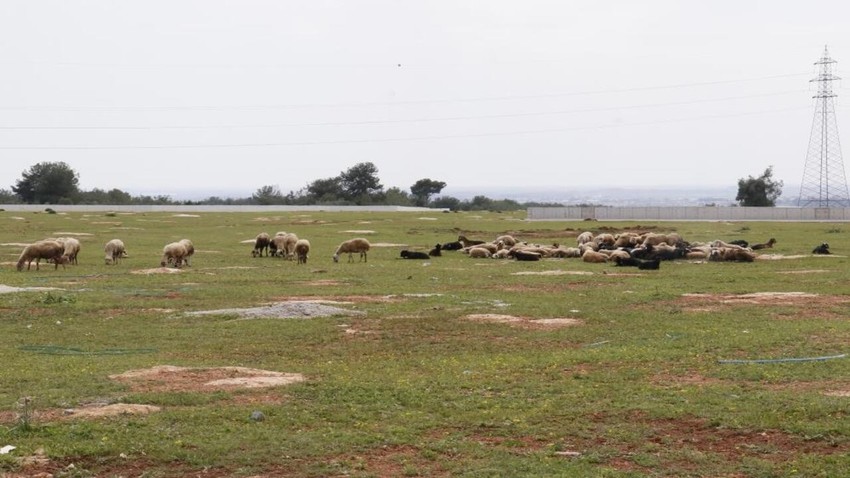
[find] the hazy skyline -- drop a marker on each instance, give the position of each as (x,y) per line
(231,96)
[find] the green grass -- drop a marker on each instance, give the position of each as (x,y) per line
(635,390)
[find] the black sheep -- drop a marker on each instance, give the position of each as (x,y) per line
(405,254)
(526,256)
(452,246)
(821,249)
(435,252)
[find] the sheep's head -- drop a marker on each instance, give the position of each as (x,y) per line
(336,257)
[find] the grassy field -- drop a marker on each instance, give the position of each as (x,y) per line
(418,379)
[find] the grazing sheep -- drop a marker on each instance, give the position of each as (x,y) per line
(479,253)
(468,242)
(72,248)
(173,253)
(302,248)
(114,250)
(50,250)
(261,244)
(767,245)
(289,241)
(277,246)
(190,250)
(351,246)
(821,249)
(405,254)
(435,252)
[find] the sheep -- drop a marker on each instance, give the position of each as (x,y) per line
(50,250)
(724,245)
(114,250)
(452,246)
(604,241)
(302,248)
(619,253)
(506,240)
(351,246)
(479,253)
(261,244)
(72,248)
(740,242)
(584,238)
(277,246)
(435,252)
(289,241)
(175,253)
(486,245)
(821,249)
(190,250)
(731,255)
(767,245)
(405,254)
(626,239)
(526,255)
(468,242)
(592,256)
(502,254)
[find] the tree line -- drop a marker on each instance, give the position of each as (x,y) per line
(58,183)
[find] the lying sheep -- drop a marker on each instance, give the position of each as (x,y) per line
(261,244)
(452,246)
(584,238)
(767,245)
(501,254)
(526,255)
(479,253)
(405,254)
(114,250)
(49,250)
(435,252)
(302,248)
(506,240)
(358,245)
(592,256)
(173,253)
(731,255)
(821,249)
(468,242)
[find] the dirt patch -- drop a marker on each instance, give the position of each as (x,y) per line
(778,257)
(72,234)
(810,271)
(282,310)
(168,378)
(427,218)
(524,322)
(359,231)
(390,460)
(772,298)
(323,282)
(340,299)
(15,244)
(806,305)
(157,270)
(185,215)
(5,289)
(552,273)
(387,244)
(115,409)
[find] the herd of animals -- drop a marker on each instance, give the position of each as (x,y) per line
(641,250)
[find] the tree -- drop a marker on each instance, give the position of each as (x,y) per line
(324,190)
(267,195)
(762,191)
(360,183)
(423,189)
(397,197)
(47,183)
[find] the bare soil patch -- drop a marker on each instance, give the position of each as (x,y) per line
(806,305)
(15,244)
(552,273)
(157,270)
(282,310)
(809,271)
(72,234)
(169,378)
(5,289)
(185,215)
(359,231)
(778,257)
(524,322)
(339,299)
(387,244)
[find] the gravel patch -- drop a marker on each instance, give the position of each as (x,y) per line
(283,310)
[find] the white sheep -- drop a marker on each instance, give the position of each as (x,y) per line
(174,252)
(351,246)
(114,250)
(277,245)
(479,253)
(190,250)
(584,238)
(72,248)
(289,241)
(51,250)
(507,240)
(302,248)
(592,256)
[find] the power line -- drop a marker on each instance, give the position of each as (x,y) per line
(392,140)
(410,120)
(396,103)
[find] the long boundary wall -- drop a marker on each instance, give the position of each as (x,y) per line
(221,208)
(600,213)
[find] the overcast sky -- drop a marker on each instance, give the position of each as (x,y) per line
(213,95)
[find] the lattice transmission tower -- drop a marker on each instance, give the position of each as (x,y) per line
(824,183)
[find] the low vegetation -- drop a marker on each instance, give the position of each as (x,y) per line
(449,366)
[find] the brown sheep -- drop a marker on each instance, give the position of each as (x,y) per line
(594,257)
(261,244)
(302,248)
(50,250)
(72,248)
(190,250)
(767,245)
(175,253)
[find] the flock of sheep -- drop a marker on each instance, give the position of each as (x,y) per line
(643,250)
